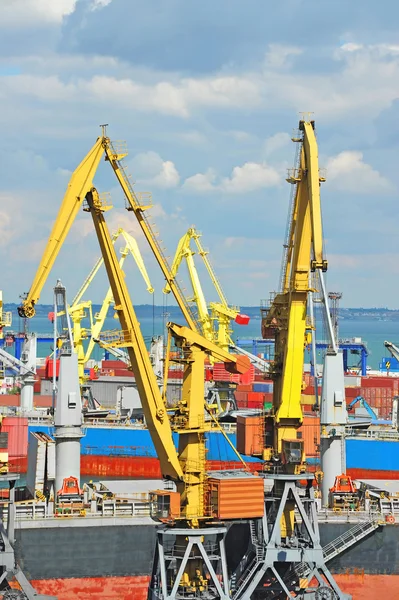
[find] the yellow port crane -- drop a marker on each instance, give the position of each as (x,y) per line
(191,508)
(286,317)
(186,465)
(78,307)
(221,313)
(80,184)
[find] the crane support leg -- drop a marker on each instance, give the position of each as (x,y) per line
(286,554)
(176,550)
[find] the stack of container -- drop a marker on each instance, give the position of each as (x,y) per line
(255,395)
(377,391)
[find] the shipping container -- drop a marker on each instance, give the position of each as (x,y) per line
(17,429)
(113,364)
(310,432)
(45,401)
(10,400)
(236,496)
(250,435)
(262,387)
(244,388)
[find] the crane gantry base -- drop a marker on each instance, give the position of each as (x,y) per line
(286,558)
(178,551)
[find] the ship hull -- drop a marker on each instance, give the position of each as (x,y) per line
(129,452)
(115,560)
(360,586)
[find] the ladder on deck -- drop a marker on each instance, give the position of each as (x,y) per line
(254,566)
(337,546)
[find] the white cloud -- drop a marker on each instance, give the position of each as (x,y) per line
(98,4)
(277,55)
(20,13)
(348,171)
(365,83)
(166,97)
(201,182)
(152,170)
(249,177)
(275,142)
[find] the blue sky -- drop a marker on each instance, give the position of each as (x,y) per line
(206,96)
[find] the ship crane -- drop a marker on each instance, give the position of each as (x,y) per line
(286,540)
(220,312)
(188,510)
(78,308)
(191,510)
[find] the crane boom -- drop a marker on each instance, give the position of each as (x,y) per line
(183,251)
(80,183)
(286,316)
(153,406)
(220,312)
(87,282)
(204,254)
(114,159)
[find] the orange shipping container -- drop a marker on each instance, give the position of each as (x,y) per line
(250,435)
(310,430)
(236,496)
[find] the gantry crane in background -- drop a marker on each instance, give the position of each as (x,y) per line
(221,313)
(78,308)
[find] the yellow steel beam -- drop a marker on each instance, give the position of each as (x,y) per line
(114,159)
(287,315)
(150,395)
(80,183)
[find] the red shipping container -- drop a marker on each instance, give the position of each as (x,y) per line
(208,374)
(242,403)
(113,364)
(42,401)
(10,400)
(249,376)
(244,388)
(50,368)
(220,374)
(241,396)
(37,385)
(255,403)
(122,373)
(17,429)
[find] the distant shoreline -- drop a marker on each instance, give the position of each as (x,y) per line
(352,314)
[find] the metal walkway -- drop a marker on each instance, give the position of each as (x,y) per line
(340,544)
(302,570)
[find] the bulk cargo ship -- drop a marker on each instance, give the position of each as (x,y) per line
(112,448)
